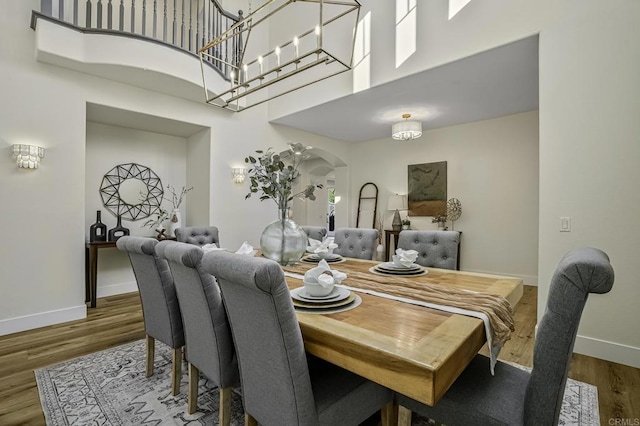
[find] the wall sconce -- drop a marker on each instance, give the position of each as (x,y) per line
(238,174)
(28,156)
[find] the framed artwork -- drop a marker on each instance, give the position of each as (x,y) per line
(427,189)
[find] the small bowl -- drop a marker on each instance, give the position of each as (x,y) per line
(315,289)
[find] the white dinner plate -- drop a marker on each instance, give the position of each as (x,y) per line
(390,266)
(329,258)
(337,294)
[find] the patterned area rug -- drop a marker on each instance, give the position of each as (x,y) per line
(110,388)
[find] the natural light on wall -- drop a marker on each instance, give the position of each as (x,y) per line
(362,55)
(456,6)
(405,30)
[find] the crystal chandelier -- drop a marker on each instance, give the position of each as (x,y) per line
(406,130)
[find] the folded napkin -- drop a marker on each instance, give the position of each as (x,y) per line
(324,275)
(321,247)
(210,247)
(247,249)
(404,258)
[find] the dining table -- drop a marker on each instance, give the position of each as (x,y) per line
(410,349)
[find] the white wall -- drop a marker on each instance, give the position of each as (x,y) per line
(106,147)
(492,169)
(589,153)
(393,26)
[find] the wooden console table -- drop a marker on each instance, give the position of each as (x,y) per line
(387,244)
(91,268)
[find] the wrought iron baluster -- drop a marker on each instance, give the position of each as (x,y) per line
(155,18)
(182,27)
(75,12)
(87,23)
(144,17)
(198,26)
(110,15)
(121,20)
(99,14)
(190,21)
(133,16)
(164,22)
(175,23)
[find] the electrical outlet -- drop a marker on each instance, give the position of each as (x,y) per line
(565,224)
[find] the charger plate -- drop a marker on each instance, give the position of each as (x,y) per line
(416,273)
(357,300)
(337,294)
(325,305)
(314,258)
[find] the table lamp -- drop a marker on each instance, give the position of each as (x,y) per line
(397,203)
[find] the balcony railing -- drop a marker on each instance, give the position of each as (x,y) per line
(184,24)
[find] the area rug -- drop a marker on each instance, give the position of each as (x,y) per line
(110,388)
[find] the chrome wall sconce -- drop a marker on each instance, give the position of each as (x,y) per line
(27,156)
(318,44)
(238,174)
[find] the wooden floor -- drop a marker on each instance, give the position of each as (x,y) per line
(118,320)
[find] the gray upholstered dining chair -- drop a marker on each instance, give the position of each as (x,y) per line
(209,347)
(515,396)
(437,249)
(281,384)
(315,232)
(359,243)
(162,318)
(198,235)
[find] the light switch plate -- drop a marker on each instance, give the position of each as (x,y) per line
(565,224)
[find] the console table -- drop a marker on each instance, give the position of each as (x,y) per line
(91,268)
(387,244)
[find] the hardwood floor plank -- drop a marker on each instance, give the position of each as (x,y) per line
(118,320)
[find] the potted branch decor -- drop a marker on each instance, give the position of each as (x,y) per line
(273,176)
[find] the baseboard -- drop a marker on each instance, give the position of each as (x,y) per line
(610,351)
(526,279)
(42,319)
(120,288)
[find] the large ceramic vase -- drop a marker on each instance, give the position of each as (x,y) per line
(283,241)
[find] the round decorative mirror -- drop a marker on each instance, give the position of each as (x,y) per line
(132,191)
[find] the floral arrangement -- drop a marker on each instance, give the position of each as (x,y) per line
(176,200)
(440,220)
(406,222)
(274,175)
(157,223)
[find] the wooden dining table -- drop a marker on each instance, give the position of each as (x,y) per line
(410,349)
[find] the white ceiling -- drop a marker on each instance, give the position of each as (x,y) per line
(491,84)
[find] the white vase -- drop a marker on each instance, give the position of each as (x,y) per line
(176,222)
(380,253)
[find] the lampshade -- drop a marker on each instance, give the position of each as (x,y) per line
(405,130)
(397,202)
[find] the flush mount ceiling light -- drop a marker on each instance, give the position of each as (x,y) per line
(406,130)
(311,41)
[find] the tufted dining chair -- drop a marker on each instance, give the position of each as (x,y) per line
(359,243)
(162,318)
(281,384)
(514,396)
(315,232)
(206,328)
(198,235)
(437,249)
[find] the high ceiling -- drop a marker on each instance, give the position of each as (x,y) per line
(498,82)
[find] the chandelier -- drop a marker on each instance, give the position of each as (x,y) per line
(313,41)
(406,130)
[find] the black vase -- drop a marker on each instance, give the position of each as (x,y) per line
(118,231)
(98,231)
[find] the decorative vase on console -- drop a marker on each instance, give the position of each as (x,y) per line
(98,231)
(176,222)
(273,175)
(283,240)
(118,231)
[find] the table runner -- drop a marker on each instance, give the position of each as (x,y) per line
(495,311)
